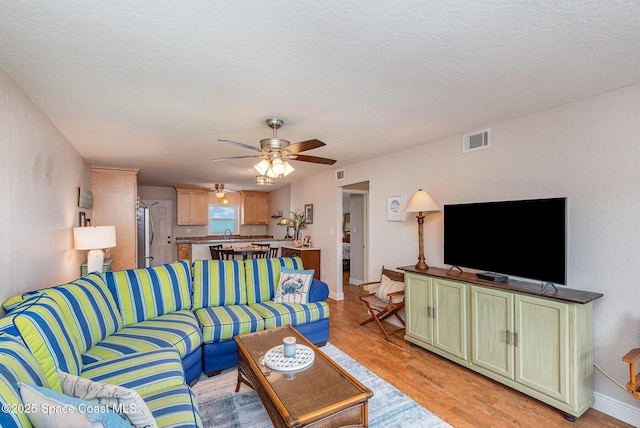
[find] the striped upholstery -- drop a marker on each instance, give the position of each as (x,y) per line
(218,283)
(146,372)
(174,407)
(223,322)
(263,276)
(7,326)
(16,365)
(142,294)
(88,303)
(179,330)
(49,337)
(16,301)
(277,314)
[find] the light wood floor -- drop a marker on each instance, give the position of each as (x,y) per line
(455,394)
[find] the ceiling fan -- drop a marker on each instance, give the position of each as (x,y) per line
(276,152)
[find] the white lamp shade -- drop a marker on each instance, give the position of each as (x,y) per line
(92,238)
(262,166)
(278,166)
(421,202)
(288,169)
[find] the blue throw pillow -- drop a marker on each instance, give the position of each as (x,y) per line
(293,286)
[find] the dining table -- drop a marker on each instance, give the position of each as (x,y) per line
(252,251)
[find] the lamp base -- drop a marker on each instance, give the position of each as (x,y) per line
(95,260)
(422,265)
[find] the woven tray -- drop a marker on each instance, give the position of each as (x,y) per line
(274,358)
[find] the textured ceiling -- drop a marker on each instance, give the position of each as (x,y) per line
(153,85)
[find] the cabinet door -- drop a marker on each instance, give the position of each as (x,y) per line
(262,208)
(255,207)
(542,354)
(418,307)
(492,330)
(200,208)
(184,207)
(450,317)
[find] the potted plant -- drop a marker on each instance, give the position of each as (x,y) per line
(297,222)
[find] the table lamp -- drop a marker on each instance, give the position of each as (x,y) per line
(421,202)
(94,239)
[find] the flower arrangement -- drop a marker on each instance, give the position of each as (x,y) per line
(297,222)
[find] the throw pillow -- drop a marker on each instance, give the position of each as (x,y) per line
(51,409)
(387,286)
(125,401)
(293,286)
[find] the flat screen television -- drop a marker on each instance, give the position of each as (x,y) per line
(525,238)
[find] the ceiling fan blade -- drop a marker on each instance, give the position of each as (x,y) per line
(312,159)
(235,157)
(304,146)
(246,146)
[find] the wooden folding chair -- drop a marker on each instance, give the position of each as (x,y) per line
(381,309)
(633,386)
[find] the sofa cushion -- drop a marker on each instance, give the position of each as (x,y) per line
(263,276)
(218,283)
(224,322)
(145,372)
(85,414)
(17,364)
(88,303)
(142,294)
(179,330)
(175,406)
(277,314)
(49,337)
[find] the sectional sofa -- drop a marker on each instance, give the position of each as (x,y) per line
(134,340)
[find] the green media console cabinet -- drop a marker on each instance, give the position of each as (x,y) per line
(539,343)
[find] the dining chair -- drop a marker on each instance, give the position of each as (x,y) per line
(215,255)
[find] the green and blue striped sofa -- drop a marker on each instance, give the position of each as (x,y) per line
(152,330)
(232,297)
(78,328)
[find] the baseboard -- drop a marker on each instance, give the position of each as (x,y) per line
(355,281)
(336,296)
(617,409)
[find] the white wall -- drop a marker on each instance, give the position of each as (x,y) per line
(40,175)
(588,151)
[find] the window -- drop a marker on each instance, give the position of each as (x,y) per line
(223,216)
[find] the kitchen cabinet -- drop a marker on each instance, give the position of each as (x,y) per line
(539,344)
(310,257)
(114,204)
(192,206)
(436,313)
(255,207)
(184,252)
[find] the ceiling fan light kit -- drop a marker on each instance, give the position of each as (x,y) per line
(276,153)
(263,180)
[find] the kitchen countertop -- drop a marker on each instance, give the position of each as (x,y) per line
(218,239)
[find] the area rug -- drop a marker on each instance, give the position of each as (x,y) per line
(220,406)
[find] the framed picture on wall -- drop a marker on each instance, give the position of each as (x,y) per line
(308,213)
(395,207)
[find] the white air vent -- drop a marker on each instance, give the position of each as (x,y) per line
(476,141)
(340,174)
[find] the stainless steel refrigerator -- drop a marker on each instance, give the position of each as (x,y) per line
(145,236)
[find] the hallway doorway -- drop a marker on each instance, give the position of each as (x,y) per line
(355,255)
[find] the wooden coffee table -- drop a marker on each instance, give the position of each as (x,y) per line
(322,395)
